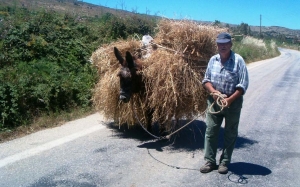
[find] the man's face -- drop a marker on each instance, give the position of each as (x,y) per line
(224,48)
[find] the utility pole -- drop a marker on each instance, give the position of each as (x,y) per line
(260,27)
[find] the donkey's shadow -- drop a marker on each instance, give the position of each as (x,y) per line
(189,138)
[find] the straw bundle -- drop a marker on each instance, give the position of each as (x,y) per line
(172,74)
(174,89)
(104,58)
(195,41)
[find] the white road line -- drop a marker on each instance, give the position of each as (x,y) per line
(47,146)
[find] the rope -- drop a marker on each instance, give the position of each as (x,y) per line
(169,135)
(145,128)
(220,101)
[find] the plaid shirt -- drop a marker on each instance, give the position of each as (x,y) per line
(226,79)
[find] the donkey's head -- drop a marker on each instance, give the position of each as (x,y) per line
(130,81)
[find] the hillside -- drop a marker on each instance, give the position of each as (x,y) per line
(276,30)
(80,8)
(72,7)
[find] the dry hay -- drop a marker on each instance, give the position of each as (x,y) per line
(104,58)
(172,74)
(195,41)
(174,89)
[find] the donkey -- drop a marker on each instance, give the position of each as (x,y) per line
(130,81)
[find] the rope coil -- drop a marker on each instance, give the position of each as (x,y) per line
(220,101)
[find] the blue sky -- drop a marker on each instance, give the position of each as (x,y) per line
(284,13)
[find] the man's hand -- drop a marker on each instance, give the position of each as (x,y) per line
(236,94)
(221,99)
(229,101)
(215,94)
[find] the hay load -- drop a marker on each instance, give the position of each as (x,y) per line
(172,74)
(104,58)
(193,40)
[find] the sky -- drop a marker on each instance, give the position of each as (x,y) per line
(284,13)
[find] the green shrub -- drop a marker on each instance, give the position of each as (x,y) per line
(44,66)
(40,86)
(252,49)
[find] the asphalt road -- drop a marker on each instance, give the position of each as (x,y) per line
(90,152)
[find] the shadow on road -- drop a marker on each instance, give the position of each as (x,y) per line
(189,138)
(240,169)
(243,168)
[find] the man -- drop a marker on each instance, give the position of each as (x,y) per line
(227,74)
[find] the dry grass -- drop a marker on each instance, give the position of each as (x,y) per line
(195,41)
(104,58)
(248,40)
(172,74)
(173,87)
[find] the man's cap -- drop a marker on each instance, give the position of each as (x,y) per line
(223,38)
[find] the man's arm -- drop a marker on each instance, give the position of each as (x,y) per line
(208,86)
(238,92)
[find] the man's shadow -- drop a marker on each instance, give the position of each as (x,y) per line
(243,168)
(238,170)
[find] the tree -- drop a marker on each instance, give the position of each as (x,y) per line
(147,11)
(217,23)
(134,10)
(122,4)
(244,29)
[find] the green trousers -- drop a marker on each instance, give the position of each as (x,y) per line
(213,125)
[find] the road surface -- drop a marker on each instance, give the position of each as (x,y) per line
(91,152)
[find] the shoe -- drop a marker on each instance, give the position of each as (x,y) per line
(223,169)
(208,167)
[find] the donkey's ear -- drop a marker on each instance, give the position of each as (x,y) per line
(129,60)
(118,55)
